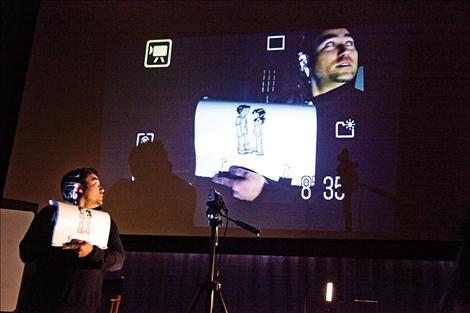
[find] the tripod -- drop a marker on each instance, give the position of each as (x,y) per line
(212,286)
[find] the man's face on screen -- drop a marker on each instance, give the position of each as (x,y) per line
(336,57)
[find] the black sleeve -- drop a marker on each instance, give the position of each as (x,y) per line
(37,241)
(112,258)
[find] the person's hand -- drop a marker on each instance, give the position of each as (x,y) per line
(81,247)
(245,184)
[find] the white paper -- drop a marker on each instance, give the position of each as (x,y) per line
(281,146)
(73,222)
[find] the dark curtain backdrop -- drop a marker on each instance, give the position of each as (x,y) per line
(167,282)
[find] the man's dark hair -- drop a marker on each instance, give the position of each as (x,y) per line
(68,184)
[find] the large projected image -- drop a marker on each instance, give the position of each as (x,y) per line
(298,131)
(273,140)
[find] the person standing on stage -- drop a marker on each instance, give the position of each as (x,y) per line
(69,279)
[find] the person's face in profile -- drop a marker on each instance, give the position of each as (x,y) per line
(336,57)
(94,193)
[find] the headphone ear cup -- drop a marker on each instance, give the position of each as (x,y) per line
(80,189)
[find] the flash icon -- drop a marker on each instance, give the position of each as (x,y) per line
(345,129)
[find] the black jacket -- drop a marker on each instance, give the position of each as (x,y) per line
(63,282)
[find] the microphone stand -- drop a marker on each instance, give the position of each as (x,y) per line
(212,286)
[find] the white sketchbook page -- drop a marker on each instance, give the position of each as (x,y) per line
(73,222)
(289,134)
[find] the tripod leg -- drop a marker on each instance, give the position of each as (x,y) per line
(197,295)
(219,297)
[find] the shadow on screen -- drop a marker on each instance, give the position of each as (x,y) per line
(156,201)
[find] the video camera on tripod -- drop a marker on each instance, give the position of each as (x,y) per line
(215,207)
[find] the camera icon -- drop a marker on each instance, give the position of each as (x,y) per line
(158,53)
(345,129)
(143,138)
